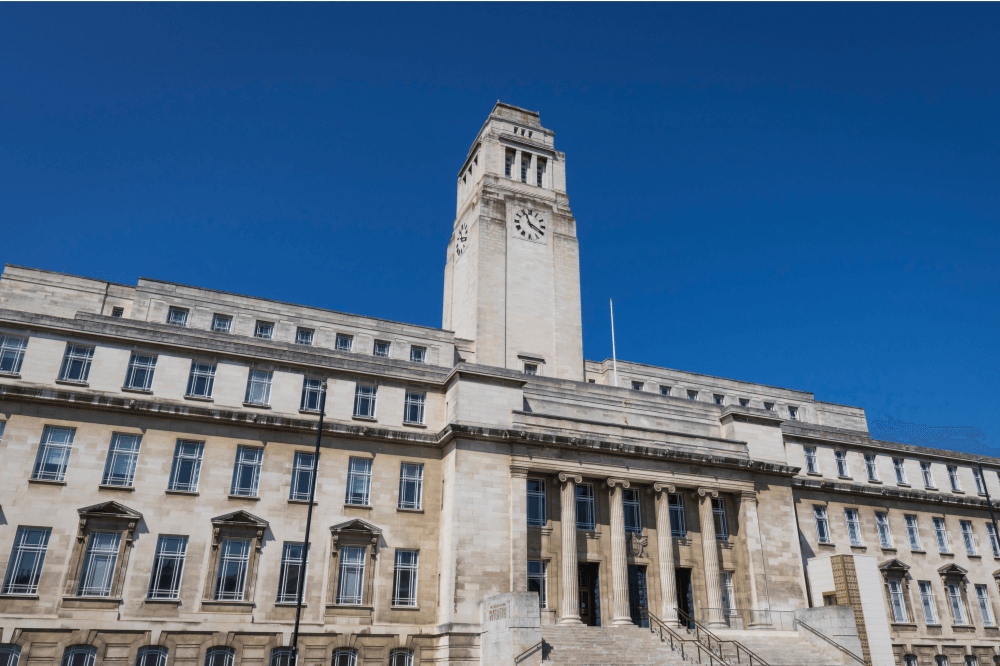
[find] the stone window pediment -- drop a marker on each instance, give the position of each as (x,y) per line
(237,539)
(894,568)
(952,570)
(354,548)
(103,541)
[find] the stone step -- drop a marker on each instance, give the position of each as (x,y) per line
(593,646)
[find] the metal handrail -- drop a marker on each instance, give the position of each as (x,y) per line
(831,642)
(700,631)
(534,647)
(677,641)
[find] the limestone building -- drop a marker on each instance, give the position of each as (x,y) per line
(481,488)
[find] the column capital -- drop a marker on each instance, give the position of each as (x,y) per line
(612,482)
(662,486)
(708,492)
(570,476)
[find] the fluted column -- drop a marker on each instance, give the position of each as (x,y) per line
(665,551)
(619,554)
(710,552)
(569,601)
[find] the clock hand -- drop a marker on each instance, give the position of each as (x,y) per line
(534,227)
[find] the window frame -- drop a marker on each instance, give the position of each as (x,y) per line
(414,401)
(365,395)
(163,559)
(305,336)
(228,555)
(18,551)
(263,330)
(88,652)
(312,390)
(884,531)
(48,449)
(633,510)
(343,342)
(152,655)
(302,474)
(203,374)
(248,459)
(941,534)
(354,476)
(897,601)
(290,561)
(980,482)
(388,348)
(401,569)
(871,467)
(418,354)
(356,566)
(541,580)
(994,541)
(12,348)
(258,393)
(956,484)
(985,606)
(100,564)
(408,481)
(538,499)
(140,365)
(719,519)
(853,526)
(843,469)
(927,474)
(812,462)
(76,356)
(222,323)
(589,505)
(926,590)
(182,454)
(177,316)
(969,538)
(958,614)
(913,532)
(898,466)
(345,657)
(220,655)
(678,528)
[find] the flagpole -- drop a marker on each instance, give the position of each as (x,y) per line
(614,356)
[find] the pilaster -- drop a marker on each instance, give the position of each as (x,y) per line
(518,529)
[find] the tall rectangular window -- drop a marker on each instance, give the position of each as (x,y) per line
(812,466)
(822,524)
(404,582)
(525,166)
(633,518)
(168,567)
(364,401)
(927,601)
(411,485)
(925,471)
(793,413)
(123,454)
(913,533)
(896,599)
(246,471)
(413,407)
(53,454)
(728,596)
(381,348)
(968,538)
(719,516)
(201,380)
(980,484)
(985,611)
(234,558)
(540,163)
(942,536)
(994,544)
(350,589)
(186,467)
(536,580)
(584,506)
(11,353)
(304,336)
(692,395)
(953,478)
(853,526)
(344,342)
(292,563)
(871,467)
(418,354)
(637,386)
(884,535)
(264,330)
(359,481)
(897,466)
(719,399)
(678,526)
(664,390)
(222,323)
(177,316)
(140,372)
(536,502)
(841,458)
(303,468)
(26,559)
(99,564)
(957,606)
(258,387)
(76,363)
(312,390)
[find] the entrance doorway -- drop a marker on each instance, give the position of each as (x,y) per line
(637,598)
(590,594)
(685,597)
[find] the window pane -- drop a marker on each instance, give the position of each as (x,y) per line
(168,566)
(234,555)
(99,564)
(359,474)
(53,453)
(26,559)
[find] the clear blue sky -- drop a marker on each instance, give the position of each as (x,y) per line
(799,195)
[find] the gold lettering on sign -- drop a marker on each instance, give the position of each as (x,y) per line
(498,612)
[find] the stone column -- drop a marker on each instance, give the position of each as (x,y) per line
(750,530)
(710,552)
(569,601)
(619,554)
(518,529)
(665,551)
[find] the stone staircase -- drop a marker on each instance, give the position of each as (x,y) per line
(788,649)
(599,646)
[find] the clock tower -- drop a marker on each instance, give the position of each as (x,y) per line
(512,279)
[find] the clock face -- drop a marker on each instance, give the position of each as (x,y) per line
(529,224)
(461,239)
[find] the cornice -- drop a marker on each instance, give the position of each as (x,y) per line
(625,426)
(884,493)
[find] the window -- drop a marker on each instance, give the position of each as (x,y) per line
(344,342)
(980,485)
(822,524)
(418,354)
(404,582)
(793,413)
(292,559)
(304,336)
(219,656)
(719,399)
(884,535)
(812,466)
(871,467)
(897,465)
(9,654)
(536,580)
(381,348)
(913,533)
(401,658)
(942,536)
(312,393)
(664,390)
(411,482)
(264,330)
(119,469)
(925,470)
(151,655)
(413,407)
(525,166)
(201,380)
(970,660)
(853,526)
(140,372)
(993,539)
(633,519)
(508,163)
(927,601)
(53,454)
(11,353)
(352,574)
(168,567)
(769,406)
(719,515)
(177,316)
(246,471)
(957,607)
(364,401)
(222,323)
(584,506)
(258,387)
(26,558)
(99,564)
(940,660)
(536,502)
(80,655)
(302,475)
(896,600)
(234,558)
(830,599)
(953,477)
(968,538)
(531,368)
(345,657)
(728,596)
(282,657)
(359,481)
(692,395)
(841,458)
(76,363)
(3,426)
(744,402)
(117,312)
(636,386)
(678,526)
(186,467)
(984,605)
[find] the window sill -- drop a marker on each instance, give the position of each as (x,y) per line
(853,547)
(874,481)
(964,628)
(256,405)
(922,552)
(889,549)
(358,506)
(904,485)
(18,596)
(289,604)
(827,543)
(813,474)
(976,556)
(165,602)
(364,418)
(903,625)
(192,493)
(359,607)
(309,411)
(92,603)
(404,608)
(124,489)
(47,482)
(402,510)
(228,606)
(70,382)
(936,626)
(11,375)
(414,425)
(249,498)
(958,492)
(296,501)
(846,478)
(127,389)
(199,398)
(931,488)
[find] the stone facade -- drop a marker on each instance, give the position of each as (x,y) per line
(494,465)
